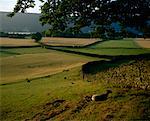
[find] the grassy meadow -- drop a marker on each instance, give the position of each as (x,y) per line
(29,63)
(113,47)
(59,41)
(20,51)
(17,42)
(39,84)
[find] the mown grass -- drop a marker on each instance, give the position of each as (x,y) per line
(21,51)
(36,62)
(17,42)
(145,43)
(113,47)
(60,41)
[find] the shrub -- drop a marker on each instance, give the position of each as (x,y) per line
(37,36)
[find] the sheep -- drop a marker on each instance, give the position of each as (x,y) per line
(101,97)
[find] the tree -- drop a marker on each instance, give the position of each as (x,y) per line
(37,36)
(99,14)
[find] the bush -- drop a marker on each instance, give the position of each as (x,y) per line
(37,36)
(3,34)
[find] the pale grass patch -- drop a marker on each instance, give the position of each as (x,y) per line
(17,42)
(58,41)
(18,67)
(145,43)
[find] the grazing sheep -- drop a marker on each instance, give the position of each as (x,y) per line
(101,97)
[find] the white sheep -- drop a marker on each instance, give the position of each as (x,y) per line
(101,97)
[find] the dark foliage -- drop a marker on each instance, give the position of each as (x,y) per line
(98,14)
(37,36)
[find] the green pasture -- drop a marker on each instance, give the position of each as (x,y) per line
(32,100)
(20,51)
(113,47)
(36,62)
(34,81)
(23,100)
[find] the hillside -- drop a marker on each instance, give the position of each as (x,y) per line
(41,84)
(70,100)
(21,22)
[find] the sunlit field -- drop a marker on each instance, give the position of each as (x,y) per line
(113,47)
(17,42)
(29,63)
(56,41)
(39,84)
(145,43)
(67,96)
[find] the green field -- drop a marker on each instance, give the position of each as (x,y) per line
(113,47)
(39,100)
(40,84)
(20,51)
(29,63)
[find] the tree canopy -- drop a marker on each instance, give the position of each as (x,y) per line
(64,15)
(37,36)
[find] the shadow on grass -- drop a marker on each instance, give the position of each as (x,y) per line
(8,52)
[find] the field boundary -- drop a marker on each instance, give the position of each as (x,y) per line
(9,47)
(86,68)
(93,55)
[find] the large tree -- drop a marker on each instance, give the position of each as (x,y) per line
(98,14)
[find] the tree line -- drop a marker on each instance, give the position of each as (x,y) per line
(72,15)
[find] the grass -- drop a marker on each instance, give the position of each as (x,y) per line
(59,41)
(17,42)
(36,62)
(21,51)
(25,95)
(57,91)
(55,41)
(113,47)
(38,100)
(123,43)
(145,43)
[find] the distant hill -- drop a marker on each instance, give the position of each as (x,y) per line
(21,22)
